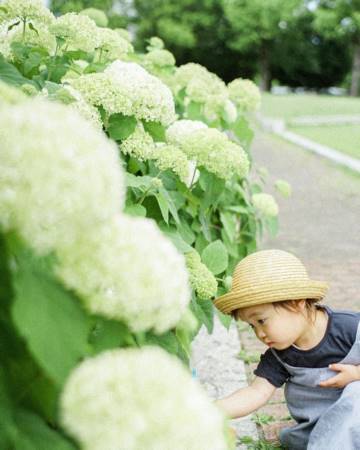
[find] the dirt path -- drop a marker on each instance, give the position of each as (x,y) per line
(320,223)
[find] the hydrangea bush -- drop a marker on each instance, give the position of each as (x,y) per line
(127,196)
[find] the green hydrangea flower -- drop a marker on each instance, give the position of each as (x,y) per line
(160,58)
(245,94)
(79,32)
(139,144)
(213,150)
(170,157)
(97,15)
(25,10)
(112,44)
(283,187)
(266,204)
(201,279)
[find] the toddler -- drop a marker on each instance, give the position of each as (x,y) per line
(313,349)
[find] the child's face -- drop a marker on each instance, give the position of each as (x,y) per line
(278,328)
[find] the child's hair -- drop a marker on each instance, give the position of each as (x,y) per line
(290,305)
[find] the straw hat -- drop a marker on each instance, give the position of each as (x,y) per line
(269,276)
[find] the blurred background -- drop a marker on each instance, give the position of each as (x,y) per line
(311,45)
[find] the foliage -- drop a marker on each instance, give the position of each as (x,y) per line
(99,210)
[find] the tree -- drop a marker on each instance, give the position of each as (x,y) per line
(339,19)
(256,24)
(303,57)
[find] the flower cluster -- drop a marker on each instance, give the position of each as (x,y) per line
(127,270)
(129,89)
(97,15)
(126,398)
(36,35)
(170,157)
(89,112)
(79,32)
(181,128)
(210,148)
(160,58)
(203,87)
(25,10)
(59,175)
(139,144)
(266,204)
(245,94)
(112,44)
(201,279)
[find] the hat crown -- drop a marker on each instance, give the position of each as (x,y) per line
(268,266)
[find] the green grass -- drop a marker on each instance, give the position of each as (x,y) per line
(292,105)
(345,138)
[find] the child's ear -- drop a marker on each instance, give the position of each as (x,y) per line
(301,304)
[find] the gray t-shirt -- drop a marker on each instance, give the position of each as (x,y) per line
(339,337)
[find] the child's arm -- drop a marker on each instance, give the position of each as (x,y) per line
(246,400)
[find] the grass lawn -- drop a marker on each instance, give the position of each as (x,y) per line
(292,105)
(345,138)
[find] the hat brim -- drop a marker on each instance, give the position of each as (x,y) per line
(288,290)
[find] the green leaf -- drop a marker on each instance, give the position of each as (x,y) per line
(167,341)
(163,204)
(186,232)
(213,188)
(204,312)
(156,130)
(176,239)
(142,183)
(50,319)
(242,131)
(10,27)
(35,434)
(229,222)
(194,111)
(135,210)
(215,257)
(10,74)
(121,127)
(170,203)
(31,26)
(109,334)
(225,319)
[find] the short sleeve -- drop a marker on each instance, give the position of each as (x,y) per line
(271,369)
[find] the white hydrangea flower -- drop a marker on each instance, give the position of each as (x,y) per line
(201,279)
(245,94)
(59,175)
(181,128)
(97,15)
(25,10)
(151,99)
(129,89)
(127,270)
(89,112)
(78,31)
(139,144)
(137,399)
(266,204)
(112,44)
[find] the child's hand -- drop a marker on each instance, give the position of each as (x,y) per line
(347,374)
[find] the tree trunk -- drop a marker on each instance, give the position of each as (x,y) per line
(265,74)
(355,72)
